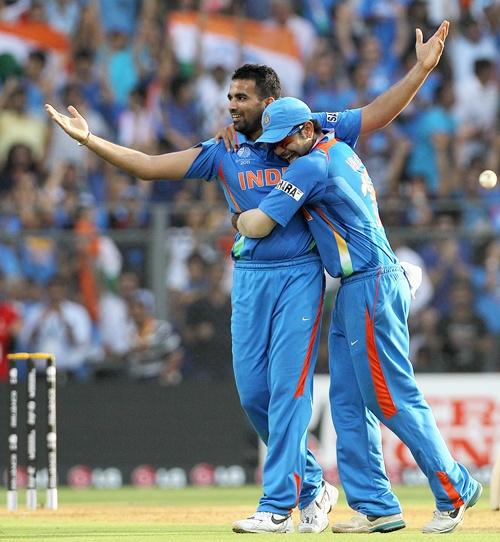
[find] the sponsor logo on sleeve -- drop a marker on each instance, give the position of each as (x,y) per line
(290,189)
(332,117)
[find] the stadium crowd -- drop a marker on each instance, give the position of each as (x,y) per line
(69,285)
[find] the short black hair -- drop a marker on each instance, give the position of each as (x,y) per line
(481,65)
(266,79)
(39,56)
(178,83)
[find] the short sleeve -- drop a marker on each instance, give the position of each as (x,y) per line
(346,124)
(206,164)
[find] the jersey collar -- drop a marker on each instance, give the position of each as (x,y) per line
(242,138)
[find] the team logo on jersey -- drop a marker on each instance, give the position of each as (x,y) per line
(290,189)
(244,152)
(266,119)
(332,117)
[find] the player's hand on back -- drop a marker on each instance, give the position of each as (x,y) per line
(429,52)
(75,125)
(228,135)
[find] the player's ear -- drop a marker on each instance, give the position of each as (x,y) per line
(269,100)
(308,129)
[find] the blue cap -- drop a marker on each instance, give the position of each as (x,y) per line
(280,117)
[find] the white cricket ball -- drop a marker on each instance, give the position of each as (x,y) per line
(488,179)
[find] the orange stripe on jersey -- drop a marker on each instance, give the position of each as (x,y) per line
(452,493)
(307,361)
(326,146)
(226,186)
(306,214)
(298,484)
(382,392)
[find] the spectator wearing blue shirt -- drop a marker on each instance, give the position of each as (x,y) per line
(433,141)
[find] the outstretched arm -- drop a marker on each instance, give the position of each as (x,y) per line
(255,223)
(164,166)
(389,105)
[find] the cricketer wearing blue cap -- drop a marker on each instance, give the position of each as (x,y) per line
(371,375)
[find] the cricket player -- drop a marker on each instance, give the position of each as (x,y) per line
(278,282)
(371,374)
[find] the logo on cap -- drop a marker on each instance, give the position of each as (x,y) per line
(266,120)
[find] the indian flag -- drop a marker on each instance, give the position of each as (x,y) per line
(19,38)
(232,41)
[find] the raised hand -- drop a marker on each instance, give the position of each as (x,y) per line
(429,53)
(75,126)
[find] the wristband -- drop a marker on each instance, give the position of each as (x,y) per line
(85,141)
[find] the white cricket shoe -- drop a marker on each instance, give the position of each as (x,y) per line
(314,517)
(369,524)
(264,522)
(446,521)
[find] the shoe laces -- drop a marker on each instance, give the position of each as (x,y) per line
(308,513)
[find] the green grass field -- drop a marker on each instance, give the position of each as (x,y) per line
(205,514)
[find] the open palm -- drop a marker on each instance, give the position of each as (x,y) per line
(429,53)
(75,126)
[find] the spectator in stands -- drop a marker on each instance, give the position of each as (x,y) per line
(207,320)
(388,24)
(117,60)
(36,83)
(17,125)
(470,43)
(156,350)
(380,67)
(467,346)
(447,260)
(196,285)
(125,201)
(63,15)
(211,93)
(108,355)
(180,118)
(62,327)
(94,87)
(10,325)
(324,84)
(10,264)
(432,155)
(89,33)
(122,14)
(20,159)
(486,281)
(426,342)
(136,126)
(476,110)
(304,32)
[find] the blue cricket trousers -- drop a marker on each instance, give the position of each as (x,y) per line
(372,379)
(275,325)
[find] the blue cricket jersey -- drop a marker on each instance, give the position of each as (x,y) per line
(248,175)
(340,206)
